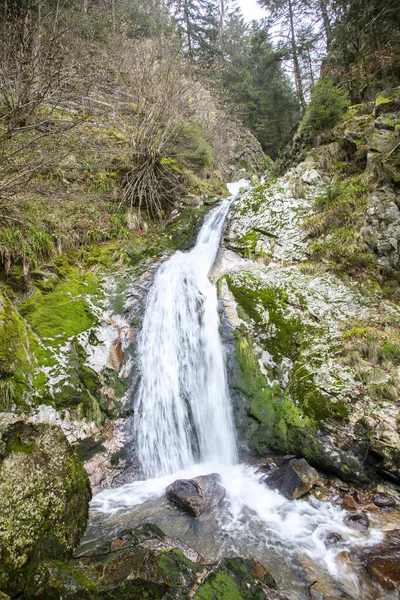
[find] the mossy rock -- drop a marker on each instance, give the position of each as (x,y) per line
(62,313)
(388,102)
(145,565)
(44,497)
(275,422)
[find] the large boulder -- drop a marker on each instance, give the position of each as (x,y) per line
(198,495)
(44,497)
(293,479)
(145,564)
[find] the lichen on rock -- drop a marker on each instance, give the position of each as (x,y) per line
(44,496)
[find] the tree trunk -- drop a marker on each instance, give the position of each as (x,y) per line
(186,15)
(296,63)
(326,21)
(221,24)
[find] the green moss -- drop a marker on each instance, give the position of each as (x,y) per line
(17,363)
(172,563)
(287,331)
(218,586)
(280,424)
(77,575)
(63,312)
(18,444)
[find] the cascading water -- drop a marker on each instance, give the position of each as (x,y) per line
(182,409)
(184,427)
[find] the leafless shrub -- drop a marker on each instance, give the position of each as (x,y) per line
(37,81)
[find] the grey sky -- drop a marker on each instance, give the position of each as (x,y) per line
(251,10)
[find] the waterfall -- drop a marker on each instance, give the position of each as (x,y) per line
(182,408)
(183,428)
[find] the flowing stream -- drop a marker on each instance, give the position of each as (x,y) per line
(184,427)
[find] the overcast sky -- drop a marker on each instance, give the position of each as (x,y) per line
(251,10)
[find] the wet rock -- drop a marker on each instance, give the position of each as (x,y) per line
(348,503)
(198,495)
(333,539)
(384,501)
(294,479)
(44,496)
(148,566)
(271,463)
(358,520)
(383,560)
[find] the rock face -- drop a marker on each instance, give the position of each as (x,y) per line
(293,479)
(144,565)
(44,497)
(198,495)
(316,348)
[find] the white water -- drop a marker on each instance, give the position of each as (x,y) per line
(182,409)
(184,425)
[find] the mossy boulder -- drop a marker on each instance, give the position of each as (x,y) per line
(144,564)
(44,496)
(388,102)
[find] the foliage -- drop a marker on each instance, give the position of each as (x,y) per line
(189,146)
(257,85)
(337,227)
(327,106)
(27,246)
(364,51)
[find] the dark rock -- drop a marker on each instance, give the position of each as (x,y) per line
(358,520)
(384,501)
(151,568)
(293,479)
(333,539)
(198,495)
(383,560)
(44,497)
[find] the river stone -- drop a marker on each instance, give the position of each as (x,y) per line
(357,520)
(198,495)
(44,496)
(384,500)
(293,479)
(383,560)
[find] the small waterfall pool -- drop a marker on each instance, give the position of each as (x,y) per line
(183,427)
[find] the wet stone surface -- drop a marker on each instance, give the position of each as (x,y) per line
(293,479)
(198,495)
